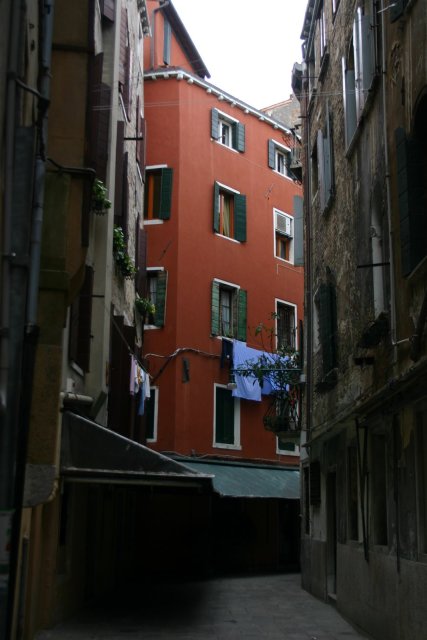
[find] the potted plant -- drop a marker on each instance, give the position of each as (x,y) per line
(144,306)
(100,201)
(124,262)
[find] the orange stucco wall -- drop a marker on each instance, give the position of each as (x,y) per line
(178,116)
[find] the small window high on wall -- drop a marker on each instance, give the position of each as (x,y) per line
(158,193)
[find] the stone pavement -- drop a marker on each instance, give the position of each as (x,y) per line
(225,608)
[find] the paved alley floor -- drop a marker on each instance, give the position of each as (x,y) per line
(251,607)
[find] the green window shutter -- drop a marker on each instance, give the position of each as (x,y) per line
(396,9)
(240,217)
(214,124)
(224,416)
(241,314)
(327,326)
(327,158)
(349,95)
(298,232)
(165,194)
(159,316)
(271,154)
(321,168)
(215,309)
(239,136)
(412,201)
(167,35)
(216,208)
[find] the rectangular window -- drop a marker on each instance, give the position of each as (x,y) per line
(352,494)
(279,158)
(167,36)
(287,448)
(322,30)
(227,131)
(286,325)
(156,293)
(315,483)
(306,504)
(228,311)
(421,426)
(229,213)
(284,241)
(326,338)
(379,489)
(151,413)
(325,165)
(80,323)
(158,193)
(226,419)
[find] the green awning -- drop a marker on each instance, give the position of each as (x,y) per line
(248,480)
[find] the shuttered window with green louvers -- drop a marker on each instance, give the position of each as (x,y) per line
(221,125)
(229,214)
(158,194)
(156,294)
(228,311)
(326,303)
(412,201)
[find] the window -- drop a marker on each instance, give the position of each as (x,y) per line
(286,448)
(411,158)
(421,425)
(80,323)
(315,484)
(379,489)
(279,158)
(284,243)
(226,419)
(358,69)
(286,325)
(167,35)
(326,338)
(352,494)
(228,311)
(335,4)
(229,213)
(156,293)
(158,193)
(322,30)
(325,166)
(227,131)
(151,413)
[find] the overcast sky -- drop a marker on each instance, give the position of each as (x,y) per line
(248,46)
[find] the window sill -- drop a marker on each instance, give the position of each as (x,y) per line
(149,327)
(150,222)
(225,146)
(220,235)
(75,367)
(219,445)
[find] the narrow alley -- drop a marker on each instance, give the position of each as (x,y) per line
(258,607)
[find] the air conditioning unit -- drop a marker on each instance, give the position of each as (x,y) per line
(283,224)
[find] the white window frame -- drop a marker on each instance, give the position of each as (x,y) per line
(153,270)
(220,445)
(277,213)
(234,290)
(281,152)
(225,120)
(277,302)
(296,452)
(155,391)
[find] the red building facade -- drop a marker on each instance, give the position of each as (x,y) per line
(223,249)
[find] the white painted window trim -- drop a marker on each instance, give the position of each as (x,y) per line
(282,452)
(227,284)
(155,390)
(291,237)
(288,304)
(219,445)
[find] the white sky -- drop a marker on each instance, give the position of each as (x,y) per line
(248,46)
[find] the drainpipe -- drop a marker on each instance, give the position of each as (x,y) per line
(387,177)
(31,328)
(7,446)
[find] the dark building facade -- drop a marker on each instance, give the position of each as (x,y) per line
(363,97)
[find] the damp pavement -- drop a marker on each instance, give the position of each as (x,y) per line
(222,608)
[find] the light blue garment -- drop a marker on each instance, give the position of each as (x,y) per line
(248,388)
